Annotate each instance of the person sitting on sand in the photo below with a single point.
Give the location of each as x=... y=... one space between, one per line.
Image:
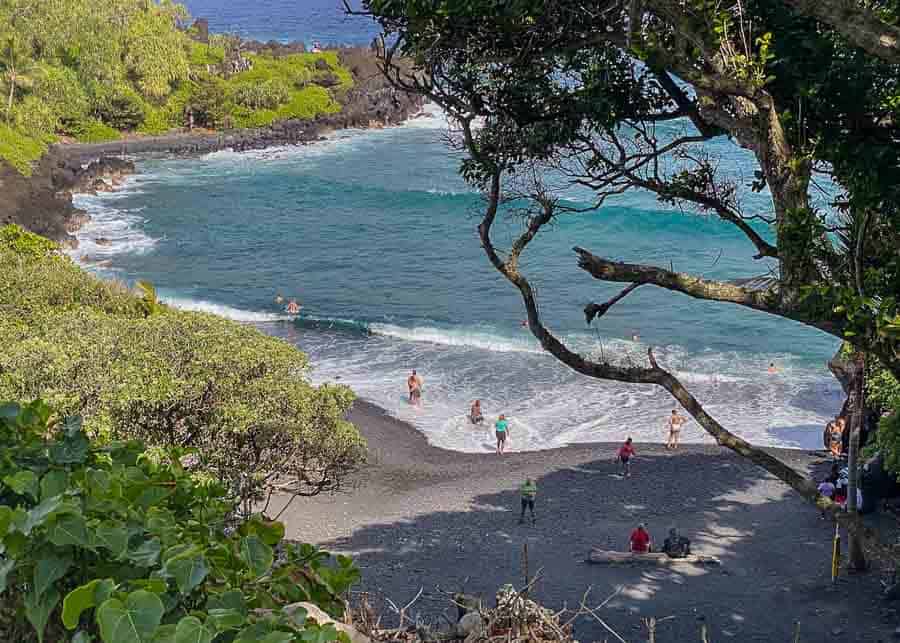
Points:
x=529 y=493
x=625 y=454
x=475 y=414
x=640 y=540
x=293 y=308
x=675 y=423
x=501 y=430
x=414 y=383
x=676 y=545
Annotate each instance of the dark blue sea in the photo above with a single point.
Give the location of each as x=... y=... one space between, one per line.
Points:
x=376 y=234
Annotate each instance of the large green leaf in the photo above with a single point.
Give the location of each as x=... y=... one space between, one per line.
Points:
x=54 y=483
x=40 y=514
x=256 y=555
x=153 y=495
x=6 y=566
x=191 y=630
x=68 y=530
x=38 y=609
x=225 y=619
x=132 y=622
x=50 y=567
x=277 y=637
x=231 y=600
x=71 y=450
x=111 y=536
x=269 y=531
x=24 y=482
x=84 y=598
x=146 y=554
x=6 y=518
x=164 y=634
x=188 y=570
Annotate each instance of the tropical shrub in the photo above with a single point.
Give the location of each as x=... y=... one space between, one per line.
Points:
x=115 y=541
x=134 y=368
x=265 y=95
x=95 y=131
x=118 y=105
x=209 y=102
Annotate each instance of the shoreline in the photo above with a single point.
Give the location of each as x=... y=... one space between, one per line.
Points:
x=42 y=202
x=422 y=517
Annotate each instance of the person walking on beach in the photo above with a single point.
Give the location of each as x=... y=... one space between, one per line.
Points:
x=529 y=493
x=501 y=430
x=414 y=383
x=625 y=454
x=675 y=423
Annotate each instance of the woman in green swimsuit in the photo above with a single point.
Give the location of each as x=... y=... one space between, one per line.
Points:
x=501 y=429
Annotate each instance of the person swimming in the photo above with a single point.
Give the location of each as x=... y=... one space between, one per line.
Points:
x=293 y=308
x=279 y=299
x=772 y=368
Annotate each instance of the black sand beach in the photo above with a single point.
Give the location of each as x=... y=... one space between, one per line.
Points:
x=422 y=517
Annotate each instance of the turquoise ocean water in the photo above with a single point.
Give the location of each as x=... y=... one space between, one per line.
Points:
x=376 y=234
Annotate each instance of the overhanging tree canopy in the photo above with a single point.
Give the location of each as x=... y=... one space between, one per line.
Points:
x=618 y=96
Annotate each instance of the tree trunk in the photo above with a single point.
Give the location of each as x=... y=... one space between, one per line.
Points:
x=857 y=555
x=12 y=89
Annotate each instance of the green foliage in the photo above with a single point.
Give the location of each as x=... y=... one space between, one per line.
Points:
x=20 y=149
x=95 y=131
x=128 y=546
x=268 y=94
x=202 y=54
x=89 y=70
x=117 y=105
x=135 y=368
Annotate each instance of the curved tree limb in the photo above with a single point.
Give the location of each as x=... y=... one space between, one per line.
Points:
x=855 y=23
x=641 y=375
x=697 y=287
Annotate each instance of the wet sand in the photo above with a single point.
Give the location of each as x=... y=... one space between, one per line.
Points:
x=423 y=517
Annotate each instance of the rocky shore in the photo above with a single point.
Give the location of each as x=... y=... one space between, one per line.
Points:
x=42 y=202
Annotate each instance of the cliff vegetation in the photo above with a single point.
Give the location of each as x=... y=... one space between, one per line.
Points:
x=95 y=72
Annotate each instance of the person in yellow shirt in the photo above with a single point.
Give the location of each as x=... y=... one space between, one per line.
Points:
x=529 y=493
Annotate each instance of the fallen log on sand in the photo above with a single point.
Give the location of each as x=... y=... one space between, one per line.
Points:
x=604 y=557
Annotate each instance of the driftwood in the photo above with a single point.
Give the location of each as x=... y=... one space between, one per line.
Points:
x=604 y=557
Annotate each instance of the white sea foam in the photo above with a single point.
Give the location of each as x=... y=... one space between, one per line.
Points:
x=121 y=227
x=550 y=406
x=229 y=312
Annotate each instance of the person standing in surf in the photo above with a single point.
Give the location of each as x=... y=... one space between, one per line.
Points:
x=675 y=423
x=501 y=430
x=475 y=414
x=293 y=308
x=414 y=384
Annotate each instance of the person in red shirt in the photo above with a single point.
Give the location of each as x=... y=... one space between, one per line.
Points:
x=640 y=540
x=626 y=452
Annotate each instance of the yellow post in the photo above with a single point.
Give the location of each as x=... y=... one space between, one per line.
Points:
x=836 y=554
